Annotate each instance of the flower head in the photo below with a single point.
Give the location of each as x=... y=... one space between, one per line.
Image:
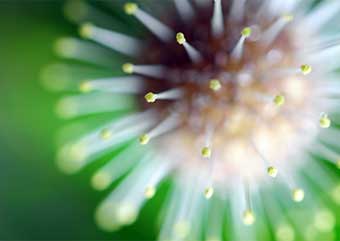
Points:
x=224 y=98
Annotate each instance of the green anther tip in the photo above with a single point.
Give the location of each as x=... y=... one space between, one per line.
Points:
x=279 y=100
x=246 y=32
x=127 y=68
x=215 y=85
x=130 y=8
x=150 y=97
x=144 y=139
x=180 y=38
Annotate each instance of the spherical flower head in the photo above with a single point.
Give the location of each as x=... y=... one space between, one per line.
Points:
x=216 y=85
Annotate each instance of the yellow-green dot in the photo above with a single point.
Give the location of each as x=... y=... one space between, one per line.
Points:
x=208 y=192
x=288 y=17
x=106 y=134
x=246 y=32
x=149 y=192
x=127 y=68
x=150 y=97
x=298 y=195
x=85 y=87
x=325 y=122
x=272 y=171
x=306 y=69
x=248 y=217
x=180 y=38
x=215 y=85
x=206 y=152
x=338 y=163
x=130 y=8
x=144 y=139
x=279 y=100
x=86 y=30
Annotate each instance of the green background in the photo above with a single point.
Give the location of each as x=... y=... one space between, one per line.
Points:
x=37 y=201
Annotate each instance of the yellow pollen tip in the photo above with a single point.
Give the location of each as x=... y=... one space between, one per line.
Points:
x=279 y=100
x=105 y=134
x=288 y=17
x=338 y=163
x=272 y=171
x=215 y=85
x=180 y=38
x=248 y=217
x=324 y=121
x=206 y=152
x=130 y=8
x=306 y=69
x=298 y=195
x=85 y=87
x=86 y=30
x=246 y=32
x=144 y=139
x=208 y=192
x=127 y=68
x=149 y=192
x=150 y=97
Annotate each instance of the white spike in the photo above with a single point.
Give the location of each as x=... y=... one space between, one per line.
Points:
x=217 y=22
x=185 y=9
x=238 y=10
x=162 y=31
x=125 y=85
x=320 y=16
x=116 y=41
x=156 y=71
x=238 y=50
x=275 y=29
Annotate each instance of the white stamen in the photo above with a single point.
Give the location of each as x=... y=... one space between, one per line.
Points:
x=124 y=85
x=162 y=31
x=217 y=22
x=237 y=10
x=194 y=54
x=320 y=16
x=156 y=71
x=238 y=50
x=165 y=126
x=116 y=41
x=185 y=9
x=275 y=29
x=74 y=106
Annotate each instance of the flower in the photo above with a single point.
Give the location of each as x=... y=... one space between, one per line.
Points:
x=234 y=100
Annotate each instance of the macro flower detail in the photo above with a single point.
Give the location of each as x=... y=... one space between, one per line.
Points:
x=234 y=100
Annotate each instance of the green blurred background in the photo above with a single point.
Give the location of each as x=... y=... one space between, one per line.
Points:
x=36 y=200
